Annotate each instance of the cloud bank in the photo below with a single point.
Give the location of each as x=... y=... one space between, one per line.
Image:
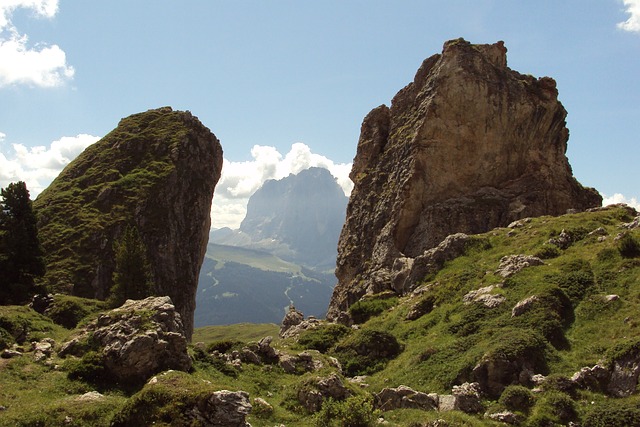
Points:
x=632 y=7
x=619 y=198
x=240 y=180
x=38 y=166
x=40 y=65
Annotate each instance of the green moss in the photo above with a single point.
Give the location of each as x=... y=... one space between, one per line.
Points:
x=322 y=338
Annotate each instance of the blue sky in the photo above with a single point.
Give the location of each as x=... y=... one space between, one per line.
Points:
x=286 y=84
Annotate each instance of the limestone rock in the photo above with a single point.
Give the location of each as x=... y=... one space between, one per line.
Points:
x=311 y=398
x=523 y=306
x=156 y=171
x=511 y=264
x=593 y=378
x=468 y=146
x=137 y=340
x=405 y=397
x=291 y=319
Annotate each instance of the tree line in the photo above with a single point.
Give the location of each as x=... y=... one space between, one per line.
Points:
x=22 y=259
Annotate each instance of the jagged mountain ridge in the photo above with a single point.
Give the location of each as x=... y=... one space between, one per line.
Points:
x=298 y=218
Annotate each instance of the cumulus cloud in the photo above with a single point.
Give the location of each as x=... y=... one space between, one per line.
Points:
x=240 y=180
x=40 y=65
x=620 y=198
x=632 y=7
x=38 y=166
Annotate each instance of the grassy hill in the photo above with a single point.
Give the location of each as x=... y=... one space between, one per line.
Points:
x=585 y=311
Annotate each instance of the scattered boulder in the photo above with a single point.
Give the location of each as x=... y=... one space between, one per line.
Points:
x=465 y=398
x=624 y=375
x=40 y=302
x=511 y=264
x=484 y=296
x=136 y=340
x=42 y=350
x=292 y=318
x=10 y=354
x=183 y=400
x=506 y=417
x=593 y=378
x=563 y=240
x=404 y=397
x=523 y=306
x=313 y=394
x=303 y=362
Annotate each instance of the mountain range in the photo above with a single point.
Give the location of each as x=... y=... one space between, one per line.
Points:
x=283 y=253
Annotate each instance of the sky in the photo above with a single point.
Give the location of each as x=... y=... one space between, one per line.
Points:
x=285 y=84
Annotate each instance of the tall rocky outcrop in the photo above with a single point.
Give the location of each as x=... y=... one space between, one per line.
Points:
x=156 y=171
x=469 y=145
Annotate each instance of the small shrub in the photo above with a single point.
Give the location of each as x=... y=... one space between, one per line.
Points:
x=552 y=409
x=560 y=383
x=364 y=309
x=612 y=414
x=629 y=246
x=68 y=311
x=224 y=346
x=367 y=351
x=89 y=368
x=576 y=280
x=323 y=338
x=516 y=398
x=6 y=340
x=548 y=252
x=355 y=411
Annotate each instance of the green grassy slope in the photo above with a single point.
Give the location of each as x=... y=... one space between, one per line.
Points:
x=573 y=325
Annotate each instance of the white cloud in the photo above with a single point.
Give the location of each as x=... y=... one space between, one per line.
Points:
x=240 y=180
x=633 y=23
x=620 y=198
x=38 y=166
x=40 y=65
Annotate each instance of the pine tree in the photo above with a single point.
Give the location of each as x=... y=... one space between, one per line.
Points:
x=132 y=275
x=21 y=256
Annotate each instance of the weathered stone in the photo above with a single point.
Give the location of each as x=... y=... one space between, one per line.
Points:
x=595 y=378
x=10 y=354
x=511 y=264
x=624 y=376
x=157 y=171
x=91 y=396
x=505 y=417
x=42 y=350
x=138 y=339
x=292 y=318
x=523 y=306
x=323 y=388
x=563 y=240
x=40 y=302
x=404 y=397
x=468 y=146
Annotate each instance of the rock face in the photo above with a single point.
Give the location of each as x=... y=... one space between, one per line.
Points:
x=468 y=146
x=156 y=171
x=297 y=218
x=137 y=340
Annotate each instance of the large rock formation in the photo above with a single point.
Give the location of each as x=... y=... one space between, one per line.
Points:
x=136 y=340
x=469 y=145
x=156 y=171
